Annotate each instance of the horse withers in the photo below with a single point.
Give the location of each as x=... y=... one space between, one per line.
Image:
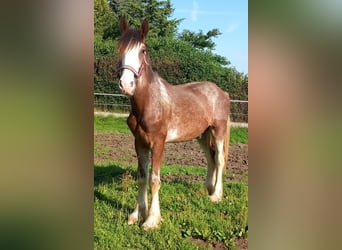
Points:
x=161 y=113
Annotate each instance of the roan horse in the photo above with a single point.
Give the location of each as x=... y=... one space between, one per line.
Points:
x=162 y=113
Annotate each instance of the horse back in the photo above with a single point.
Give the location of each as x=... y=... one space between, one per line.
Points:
x=200 y=98
x=194 y=107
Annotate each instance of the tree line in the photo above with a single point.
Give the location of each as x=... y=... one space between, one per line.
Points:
x=178 y=57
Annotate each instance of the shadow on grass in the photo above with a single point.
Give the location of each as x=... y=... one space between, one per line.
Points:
x=106 y=174
x=113 y=203
x=178 y=183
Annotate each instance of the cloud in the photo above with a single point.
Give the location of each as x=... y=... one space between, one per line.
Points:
x=194 y=11
x=232 y=27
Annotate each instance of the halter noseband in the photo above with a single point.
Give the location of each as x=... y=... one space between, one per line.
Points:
x=137 y=74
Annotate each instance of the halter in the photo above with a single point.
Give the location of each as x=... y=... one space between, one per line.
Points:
x=137 y=74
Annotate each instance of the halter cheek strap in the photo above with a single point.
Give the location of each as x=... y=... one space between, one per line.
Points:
x=137 y=74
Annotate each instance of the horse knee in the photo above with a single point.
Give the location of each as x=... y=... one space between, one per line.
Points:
x=155 y=183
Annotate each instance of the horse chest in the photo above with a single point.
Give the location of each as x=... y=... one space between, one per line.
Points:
x=147 y=129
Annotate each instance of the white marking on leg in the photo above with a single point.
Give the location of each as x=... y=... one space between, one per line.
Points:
x=155 y=180
x=142 y=206
x=134 y=217
x=219 y=161
x=211 y=174
x=211 y=178
x=154 y=214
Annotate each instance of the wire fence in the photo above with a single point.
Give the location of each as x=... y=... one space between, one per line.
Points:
x=118 y=103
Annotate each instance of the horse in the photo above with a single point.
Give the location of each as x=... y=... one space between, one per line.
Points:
x=162 y=113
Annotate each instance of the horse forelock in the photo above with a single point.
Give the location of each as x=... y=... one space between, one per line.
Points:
x=129 y=40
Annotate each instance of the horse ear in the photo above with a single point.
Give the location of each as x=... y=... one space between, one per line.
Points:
x=144 y=28
x=123 y=26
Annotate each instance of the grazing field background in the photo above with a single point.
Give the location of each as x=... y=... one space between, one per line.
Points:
x=190 y=219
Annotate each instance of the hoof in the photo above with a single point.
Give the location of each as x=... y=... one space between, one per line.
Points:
x=210 y=188
x=151 y=223
x=133 y=218
x=215 y=198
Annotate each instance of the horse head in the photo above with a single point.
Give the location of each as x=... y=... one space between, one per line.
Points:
x=132 y=50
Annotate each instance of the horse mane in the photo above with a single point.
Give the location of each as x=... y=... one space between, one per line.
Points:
x=129 y=40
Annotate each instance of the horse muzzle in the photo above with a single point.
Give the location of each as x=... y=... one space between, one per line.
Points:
x=127 y=87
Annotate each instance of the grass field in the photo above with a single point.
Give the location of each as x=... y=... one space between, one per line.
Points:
x=190 y=220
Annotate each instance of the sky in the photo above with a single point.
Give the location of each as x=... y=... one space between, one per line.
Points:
x=229 y=16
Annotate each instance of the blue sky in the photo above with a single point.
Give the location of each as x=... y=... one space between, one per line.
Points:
x=229 y=16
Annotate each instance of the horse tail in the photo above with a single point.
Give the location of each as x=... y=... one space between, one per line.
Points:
x=226 y=145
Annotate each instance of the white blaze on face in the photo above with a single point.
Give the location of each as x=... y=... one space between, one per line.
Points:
x=127 y=80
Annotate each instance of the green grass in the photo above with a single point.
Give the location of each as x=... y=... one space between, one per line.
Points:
x=190 y=219
x=99 y=150
x=186 y=210
x=112 y=124
x=239 y=135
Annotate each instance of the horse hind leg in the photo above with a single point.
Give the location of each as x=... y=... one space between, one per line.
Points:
x=207 y=146
x=216 y=196
x=221 y=140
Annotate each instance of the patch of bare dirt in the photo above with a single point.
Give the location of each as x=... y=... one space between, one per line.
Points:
x=120 y=147
x=242 y=244
x=217 y=245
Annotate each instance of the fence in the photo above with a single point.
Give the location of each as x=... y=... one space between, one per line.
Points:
x=120 y=103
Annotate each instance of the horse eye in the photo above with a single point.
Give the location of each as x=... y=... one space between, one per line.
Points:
x=143 y=51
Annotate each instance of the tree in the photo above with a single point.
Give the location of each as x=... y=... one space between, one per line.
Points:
x=159 y=15
x=103 y=17
x=179 y=59
x=157 y=12
x=200 y=40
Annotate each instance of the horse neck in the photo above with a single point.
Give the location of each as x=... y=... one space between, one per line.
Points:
x=143 y=89
x=150 y=90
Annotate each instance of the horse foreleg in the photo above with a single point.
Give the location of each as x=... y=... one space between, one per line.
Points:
x=154 y=216
x=142 y=206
